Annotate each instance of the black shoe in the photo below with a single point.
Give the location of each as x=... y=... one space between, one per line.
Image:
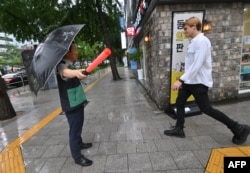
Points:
x=176 y=131
x=85 y=145
x=241 y=132
x=84 y=162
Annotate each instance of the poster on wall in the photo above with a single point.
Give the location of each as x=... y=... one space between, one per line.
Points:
x=179 y=49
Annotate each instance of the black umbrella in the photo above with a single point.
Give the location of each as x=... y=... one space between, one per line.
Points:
x=49 y=53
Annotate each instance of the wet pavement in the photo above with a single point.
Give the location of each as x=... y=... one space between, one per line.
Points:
x=30 y=110
x=125 y=127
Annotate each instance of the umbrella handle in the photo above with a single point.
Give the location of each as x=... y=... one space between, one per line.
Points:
x=85 y=73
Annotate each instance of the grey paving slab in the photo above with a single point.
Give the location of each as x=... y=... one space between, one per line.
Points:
x=53 y=165
x=110 y=127
x=57 y=140
x=53 y=151
x=187 y=171
x=70 y=167
x=186 y=160
x=165 y=145
x=191 y=131
x=187 y=143
x=117 y=163
x=33 y=151
x=99 y=162
x=102 y=137
x=150 y=134
x=162 y=161
x=139 y=162
x=203 y=130
x=107 y=148
x=154 y=172
x=146 y=146
x=34 y=140
x=34 y=165
x=126 y=129
x=118 y=136
x=134 y=135
x=65 y=152
x=206 y=142
x=126 y=147
x=202 y=156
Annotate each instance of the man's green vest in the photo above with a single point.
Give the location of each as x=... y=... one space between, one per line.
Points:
x=71 y=92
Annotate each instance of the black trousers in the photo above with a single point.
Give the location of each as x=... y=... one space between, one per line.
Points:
x=75 y=120
x=200 y=93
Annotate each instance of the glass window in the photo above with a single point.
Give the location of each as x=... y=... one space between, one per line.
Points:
x=245 y=60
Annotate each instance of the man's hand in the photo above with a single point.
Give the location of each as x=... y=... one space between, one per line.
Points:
x=69 y=73
x=176 y=85
x=79 y=74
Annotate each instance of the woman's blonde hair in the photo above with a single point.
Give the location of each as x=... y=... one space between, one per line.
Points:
x=193 y=21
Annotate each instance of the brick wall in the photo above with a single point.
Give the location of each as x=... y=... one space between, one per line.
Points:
x=225 y=36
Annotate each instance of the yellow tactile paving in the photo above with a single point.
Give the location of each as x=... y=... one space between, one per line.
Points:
x=11 y=159
x=245 y=149
x=216 y=161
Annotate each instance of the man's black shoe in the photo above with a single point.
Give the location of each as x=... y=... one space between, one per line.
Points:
x=176 y=131
x=241 y=132
x=85 y=145
x=84 y=162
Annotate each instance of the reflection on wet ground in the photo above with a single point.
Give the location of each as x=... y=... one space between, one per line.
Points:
x=30 y=110
x=21 y=98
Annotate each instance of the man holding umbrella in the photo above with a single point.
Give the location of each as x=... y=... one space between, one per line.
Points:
x=59 y=50
x=72 y=99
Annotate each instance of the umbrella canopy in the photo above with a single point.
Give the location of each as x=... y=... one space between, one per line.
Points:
x=49 y=53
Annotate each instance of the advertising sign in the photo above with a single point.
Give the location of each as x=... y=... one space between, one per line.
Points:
x=130 y=31
x=179 y=49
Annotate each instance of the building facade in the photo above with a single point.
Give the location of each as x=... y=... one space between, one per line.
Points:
x=5 y=39
x=229 y=36
x=9 y=39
